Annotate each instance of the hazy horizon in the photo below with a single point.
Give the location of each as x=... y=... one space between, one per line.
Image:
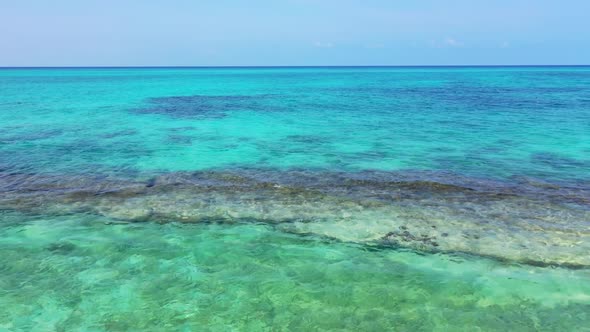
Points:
x=294 y=66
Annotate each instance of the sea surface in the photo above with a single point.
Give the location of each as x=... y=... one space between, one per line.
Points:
x=295 y=199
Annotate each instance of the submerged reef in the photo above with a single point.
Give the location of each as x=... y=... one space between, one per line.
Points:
x=526 y=220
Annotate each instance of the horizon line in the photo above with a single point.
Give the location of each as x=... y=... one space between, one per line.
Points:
x=292 y=66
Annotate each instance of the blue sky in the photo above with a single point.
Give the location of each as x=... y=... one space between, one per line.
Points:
x=293 y=32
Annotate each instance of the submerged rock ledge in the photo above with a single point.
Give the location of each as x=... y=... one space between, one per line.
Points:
x=530 y=222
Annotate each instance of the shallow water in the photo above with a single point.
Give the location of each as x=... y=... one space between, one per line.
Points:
x=295 y=199
x=79 y=273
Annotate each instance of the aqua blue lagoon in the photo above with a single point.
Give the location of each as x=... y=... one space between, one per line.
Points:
x=271 y=199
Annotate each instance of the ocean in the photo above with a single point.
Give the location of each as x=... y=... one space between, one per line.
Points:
x=295 y=198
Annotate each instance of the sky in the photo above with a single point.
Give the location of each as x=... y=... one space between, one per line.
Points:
x=293 y=32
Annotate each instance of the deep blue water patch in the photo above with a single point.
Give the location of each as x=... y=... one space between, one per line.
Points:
x=201 y=106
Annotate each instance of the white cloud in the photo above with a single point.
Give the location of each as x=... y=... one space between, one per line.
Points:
x=446 y=42
x=375 y=45
x=323 y=44
x=452 y=42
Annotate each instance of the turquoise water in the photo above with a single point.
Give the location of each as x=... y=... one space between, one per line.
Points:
x=295 y=199
x=485 y=122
